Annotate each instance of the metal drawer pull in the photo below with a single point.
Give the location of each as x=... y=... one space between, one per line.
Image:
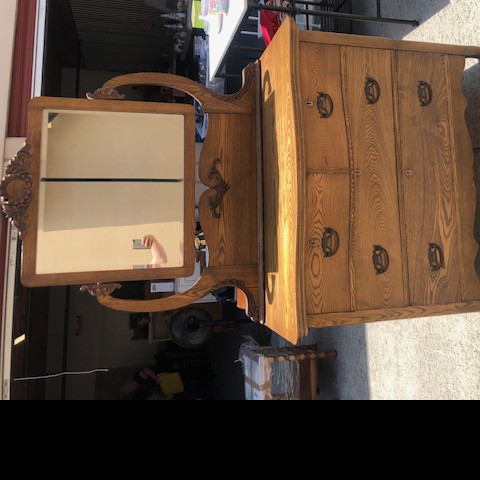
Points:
x=435 y=257
x=381 y=260
x=330 y=242
x=325 y=105
x=425 y=93
x=372 y=91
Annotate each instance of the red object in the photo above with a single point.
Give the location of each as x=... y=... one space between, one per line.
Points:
x=270 y=22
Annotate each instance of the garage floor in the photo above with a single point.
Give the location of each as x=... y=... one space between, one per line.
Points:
x=430 y=358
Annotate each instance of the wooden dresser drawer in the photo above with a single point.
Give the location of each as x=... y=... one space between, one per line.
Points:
x=325 y=138
x=376 y=220
x=327 y=222
x=429 y=177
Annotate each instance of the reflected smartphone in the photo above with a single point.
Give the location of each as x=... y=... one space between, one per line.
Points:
x=138 y=245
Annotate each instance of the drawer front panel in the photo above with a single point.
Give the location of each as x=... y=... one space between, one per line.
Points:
x=323 y=116
x=378 y=284
x=429 y=180
x=327 y=248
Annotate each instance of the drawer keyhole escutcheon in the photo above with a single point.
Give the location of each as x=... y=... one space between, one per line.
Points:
x=409 y=173
x=309 y=103
x=315 y=243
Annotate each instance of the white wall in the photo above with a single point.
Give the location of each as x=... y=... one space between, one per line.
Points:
x=7 y=36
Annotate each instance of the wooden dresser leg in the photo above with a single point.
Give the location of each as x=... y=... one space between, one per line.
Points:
x=308 y=379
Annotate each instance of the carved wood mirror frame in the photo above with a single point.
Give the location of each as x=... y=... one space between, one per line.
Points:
x=20 y=192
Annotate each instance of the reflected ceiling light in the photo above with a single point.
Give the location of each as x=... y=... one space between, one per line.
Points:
x=19 y=340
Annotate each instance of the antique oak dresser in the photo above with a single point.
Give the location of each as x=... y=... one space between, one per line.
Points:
x=341 y=184
x=369 y=182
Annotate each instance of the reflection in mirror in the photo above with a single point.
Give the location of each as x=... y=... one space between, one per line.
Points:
x=111 y=193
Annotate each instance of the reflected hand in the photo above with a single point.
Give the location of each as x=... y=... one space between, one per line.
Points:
x=148 y=241
x=159 y=256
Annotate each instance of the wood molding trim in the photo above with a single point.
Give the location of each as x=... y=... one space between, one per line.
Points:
x=21 y=90
x=382 y=315
x=328 y=38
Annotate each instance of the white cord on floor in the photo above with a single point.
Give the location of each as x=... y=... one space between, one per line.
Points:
x=63 y=374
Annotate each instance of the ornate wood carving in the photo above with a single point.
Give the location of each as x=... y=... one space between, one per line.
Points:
x=16 y=190
x=219 y=186
x=101 y=290
x=105 y=93
x=248 y=81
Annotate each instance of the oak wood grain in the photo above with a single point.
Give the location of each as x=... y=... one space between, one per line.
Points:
x=327 y=278
x=284 y=186
x=465 y=175
x=430 y=195
x=376 y=197
x=325 y=138
x=328 y=38
x=389 y=314
x=232 y=238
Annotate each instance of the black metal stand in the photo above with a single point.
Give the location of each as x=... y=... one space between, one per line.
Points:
x=294 y=11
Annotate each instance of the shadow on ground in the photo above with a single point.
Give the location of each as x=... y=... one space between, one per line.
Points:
x=420 y=10
x=471 y=89
x=347 y=377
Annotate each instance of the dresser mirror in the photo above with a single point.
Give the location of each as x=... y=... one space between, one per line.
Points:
x=103 y=191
